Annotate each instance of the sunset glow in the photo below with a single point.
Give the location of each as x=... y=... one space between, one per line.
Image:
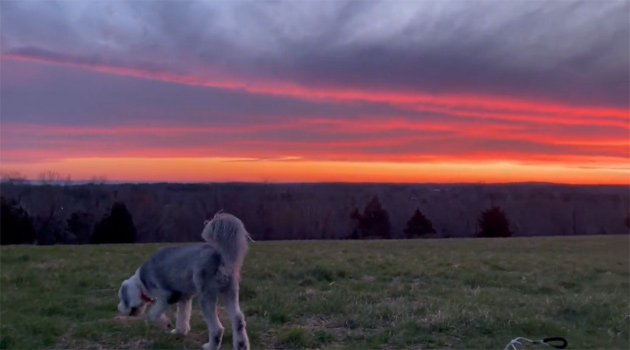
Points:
x=200 y=169
x=117 y=109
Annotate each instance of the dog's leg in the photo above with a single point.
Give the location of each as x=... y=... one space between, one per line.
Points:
x=182 y=325
x=156 y=314
x=239 y=337
x=215 y=328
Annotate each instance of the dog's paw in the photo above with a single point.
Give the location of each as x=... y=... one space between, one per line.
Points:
x=179 y=332
x=165 y=323
x=208 y=346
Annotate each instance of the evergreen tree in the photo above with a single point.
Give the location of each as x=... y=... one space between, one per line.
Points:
x=115 y=227
x=374 y=222
x=16 y=225
x=418 y=226
x=80 y=225
x=494 y=223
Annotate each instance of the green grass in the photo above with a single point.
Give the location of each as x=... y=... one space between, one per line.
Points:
x=467 y=293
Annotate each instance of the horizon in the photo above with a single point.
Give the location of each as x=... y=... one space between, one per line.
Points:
x=18 y=179
x=322 y=92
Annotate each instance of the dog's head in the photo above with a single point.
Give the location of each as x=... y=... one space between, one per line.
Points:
x=130 y=296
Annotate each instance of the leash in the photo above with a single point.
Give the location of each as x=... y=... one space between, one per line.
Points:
x=520 y=342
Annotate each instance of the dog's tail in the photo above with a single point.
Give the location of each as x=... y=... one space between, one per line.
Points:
x=229 y=235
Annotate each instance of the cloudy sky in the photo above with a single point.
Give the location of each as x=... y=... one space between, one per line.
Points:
x=396 y=91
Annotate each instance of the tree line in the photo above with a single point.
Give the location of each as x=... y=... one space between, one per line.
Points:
x=117 y=226
x=18 y=227
x=374 y=223
x=109 y=213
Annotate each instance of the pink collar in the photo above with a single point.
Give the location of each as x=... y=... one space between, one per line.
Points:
x=145 y=298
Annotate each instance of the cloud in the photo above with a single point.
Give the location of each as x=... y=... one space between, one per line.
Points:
x=573 y=52
x=455 y=105
x=299 y=83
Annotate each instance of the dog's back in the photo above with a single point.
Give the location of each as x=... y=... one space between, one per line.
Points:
x=177 y=270
x=180 y=272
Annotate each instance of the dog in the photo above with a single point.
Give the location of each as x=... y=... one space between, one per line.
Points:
x=209 y=270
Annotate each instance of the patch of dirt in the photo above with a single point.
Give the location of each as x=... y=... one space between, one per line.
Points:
x=268 y=340
x=78 y=344
x=138 y=344
x=310 y=291
x=367 y=278
x=332 y=327
x=127 y=319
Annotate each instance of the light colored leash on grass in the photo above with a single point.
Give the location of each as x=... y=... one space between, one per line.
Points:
x=520 y=342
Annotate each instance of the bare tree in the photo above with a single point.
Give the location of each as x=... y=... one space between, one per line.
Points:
x=12 y=177
x=51 y=177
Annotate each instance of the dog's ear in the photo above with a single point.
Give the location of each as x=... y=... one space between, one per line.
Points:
x=124 y=297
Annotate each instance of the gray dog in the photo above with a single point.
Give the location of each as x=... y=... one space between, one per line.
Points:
x=210 y=270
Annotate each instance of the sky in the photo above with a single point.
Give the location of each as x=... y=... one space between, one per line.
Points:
x=317 y=91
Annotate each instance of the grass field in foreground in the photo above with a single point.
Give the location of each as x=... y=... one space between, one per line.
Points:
x=466 y=293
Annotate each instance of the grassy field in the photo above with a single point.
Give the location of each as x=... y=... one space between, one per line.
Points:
x=466 y=293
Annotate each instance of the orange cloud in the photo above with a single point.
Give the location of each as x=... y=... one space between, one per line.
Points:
x=397 y=140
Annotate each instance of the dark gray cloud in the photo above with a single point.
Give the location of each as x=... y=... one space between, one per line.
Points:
x=573 y=52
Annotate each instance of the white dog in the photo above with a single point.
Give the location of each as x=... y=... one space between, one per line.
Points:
x=210 y=270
